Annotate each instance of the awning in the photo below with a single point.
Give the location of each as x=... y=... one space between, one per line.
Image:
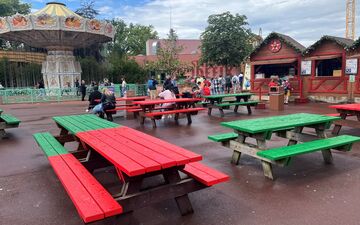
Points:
x=275 y=61
x=323 y=57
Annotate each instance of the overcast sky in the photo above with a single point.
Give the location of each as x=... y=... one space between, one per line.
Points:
x=304 y=20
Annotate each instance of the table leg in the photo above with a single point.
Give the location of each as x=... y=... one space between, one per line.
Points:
x=153 y=122
x=235 y=159
x=337 y=127
x=183 y=202
x=221 y=112
x=267 y=167
x=188 y=115
x=2 y=133
x=328 y=159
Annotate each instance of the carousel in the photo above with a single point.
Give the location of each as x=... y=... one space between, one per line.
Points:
x=60 y=31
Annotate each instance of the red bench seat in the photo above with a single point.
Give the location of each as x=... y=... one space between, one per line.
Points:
x=90 y=198
x=204 y=174
x=188 y=110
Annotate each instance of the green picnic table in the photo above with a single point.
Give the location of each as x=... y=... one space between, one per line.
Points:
x=288 y=126
x=237 y=99
x=7 y=121
x=71 y=125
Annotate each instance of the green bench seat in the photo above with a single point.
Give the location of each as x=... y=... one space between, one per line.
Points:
x=223 y=137
x=343 y=142
x=49 y=145
x=251 y=103
x=9 y=119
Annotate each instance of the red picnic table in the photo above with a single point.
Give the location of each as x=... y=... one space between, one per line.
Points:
x=135 y=156
x=345 y=111
x=180 y=106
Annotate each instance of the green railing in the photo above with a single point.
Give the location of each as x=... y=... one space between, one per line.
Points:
x=31 y=95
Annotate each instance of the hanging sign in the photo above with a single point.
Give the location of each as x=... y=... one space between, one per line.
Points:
x=306 y=67
x=351 y=66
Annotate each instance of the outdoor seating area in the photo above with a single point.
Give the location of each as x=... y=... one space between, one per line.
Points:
x=290 y=127
x=134 y=156
x=112 y=171
x=164 y=112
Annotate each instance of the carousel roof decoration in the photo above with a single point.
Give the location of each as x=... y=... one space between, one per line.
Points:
x=283 y=38
x=343 y=42
x=55 y=25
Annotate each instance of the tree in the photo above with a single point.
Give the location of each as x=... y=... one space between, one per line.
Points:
x=11 y=7
x=226 y=40
x=131 y=39
x=87 y=9
x=168 y=57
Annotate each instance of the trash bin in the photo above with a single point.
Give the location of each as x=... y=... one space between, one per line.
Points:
x=276 y=98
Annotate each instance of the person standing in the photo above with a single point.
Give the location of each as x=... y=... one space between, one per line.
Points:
x=287 y=90
x=228 y=84
x=77 y=86
x=222 y=83
x=152 y=87
x=83 y=90
x=241 y=80
x=215 y=86
x=235 y=83
x=123 y=87
x=41 y=87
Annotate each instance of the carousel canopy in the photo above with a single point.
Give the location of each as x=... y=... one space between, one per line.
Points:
x=55 y=27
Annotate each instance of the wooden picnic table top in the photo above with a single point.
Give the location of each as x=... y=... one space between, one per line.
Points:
x=81 y=123
x=352 y=107
x=277 y=123
x=136 y=98
x=134 y=152
x=228 y=95
x=161 y=101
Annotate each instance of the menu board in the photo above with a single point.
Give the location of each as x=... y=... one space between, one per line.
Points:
x=351 y=66
x=306 y=67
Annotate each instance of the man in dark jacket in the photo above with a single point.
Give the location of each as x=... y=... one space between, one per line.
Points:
x=95 y=95
x=83 y=90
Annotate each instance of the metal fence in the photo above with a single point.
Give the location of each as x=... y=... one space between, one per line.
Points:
x=31 y=95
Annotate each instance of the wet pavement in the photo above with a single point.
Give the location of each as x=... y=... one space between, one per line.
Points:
x=306 y=192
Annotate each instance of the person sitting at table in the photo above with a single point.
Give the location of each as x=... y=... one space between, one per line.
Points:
x=107 y=102
x=166 y=95
x=94 y=95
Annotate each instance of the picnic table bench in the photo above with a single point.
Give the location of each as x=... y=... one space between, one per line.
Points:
x=237 y=99
x=7 y=121
x=288 y=126
x=184 y=106
x=134 y=156
x=345 y=111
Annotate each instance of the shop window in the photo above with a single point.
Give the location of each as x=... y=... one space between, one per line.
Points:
x=280 y=70
x=329 y=67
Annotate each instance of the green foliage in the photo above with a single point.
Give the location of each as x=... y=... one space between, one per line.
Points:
x=11 y=7
x=87 y=9
x=92 y=70
x=122 y=66
x=227 y=40
x=168 y=57
x=131 y=39
x=15 y=74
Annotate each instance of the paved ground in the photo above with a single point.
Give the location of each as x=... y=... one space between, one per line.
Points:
x=306 y=192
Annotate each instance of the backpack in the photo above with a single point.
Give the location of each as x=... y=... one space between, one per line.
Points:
x=150 y=84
